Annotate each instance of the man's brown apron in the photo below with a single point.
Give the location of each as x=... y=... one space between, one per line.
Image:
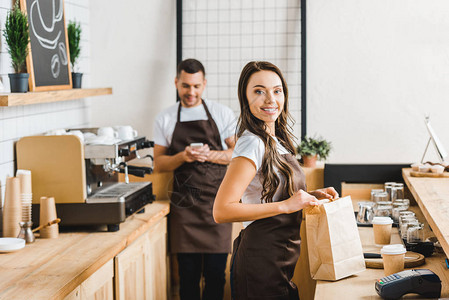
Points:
x=191 y=225
x=265 y=253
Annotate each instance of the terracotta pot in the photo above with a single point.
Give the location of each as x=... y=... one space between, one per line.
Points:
x=309 y=161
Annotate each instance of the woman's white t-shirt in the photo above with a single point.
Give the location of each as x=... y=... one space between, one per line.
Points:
x=252 y=147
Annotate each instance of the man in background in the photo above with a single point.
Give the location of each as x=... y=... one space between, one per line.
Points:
x=195 y=138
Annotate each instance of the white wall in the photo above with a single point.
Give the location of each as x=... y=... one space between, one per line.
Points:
x=19 y=121
x=227 y=34
x=375 y=69
x=133 y=50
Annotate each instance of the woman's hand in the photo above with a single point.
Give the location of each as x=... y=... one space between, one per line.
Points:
x=325 y=193
x=298 y=201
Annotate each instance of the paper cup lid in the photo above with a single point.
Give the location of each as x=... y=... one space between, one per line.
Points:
x=382 y=220
x=393 y=249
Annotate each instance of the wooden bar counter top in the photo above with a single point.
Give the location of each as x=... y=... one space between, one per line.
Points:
x=432 y=196
x=362 y=285
x=54 y=268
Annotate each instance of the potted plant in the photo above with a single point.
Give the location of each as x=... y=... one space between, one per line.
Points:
x=74 y=36
x=312 y=149
x=17 y=38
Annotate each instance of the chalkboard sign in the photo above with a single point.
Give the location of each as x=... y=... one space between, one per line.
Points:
x=48 y=61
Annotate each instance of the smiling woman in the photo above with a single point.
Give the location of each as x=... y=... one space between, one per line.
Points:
x=264 y=187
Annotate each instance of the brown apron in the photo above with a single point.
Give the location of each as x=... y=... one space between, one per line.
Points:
x=192 y=228
x=266 y=251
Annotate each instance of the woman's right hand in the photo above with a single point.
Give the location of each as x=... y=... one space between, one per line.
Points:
x=298 y=201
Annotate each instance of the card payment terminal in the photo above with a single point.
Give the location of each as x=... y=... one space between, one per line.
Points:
x=421 y=281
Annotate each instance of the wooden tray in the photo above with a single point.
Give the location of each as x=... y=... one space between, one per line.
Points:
x=428 y=174
x=412 y=259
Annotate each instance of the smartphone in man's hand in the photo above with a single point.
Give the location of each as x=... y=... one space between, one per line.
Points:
x=196 y=145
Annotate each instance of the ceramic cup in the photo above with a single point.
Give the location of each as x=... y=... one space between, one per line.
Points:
x=77 y=133
x=382 y=230
x=424 y=168
x=393 y=257
x=437 y=169
x=107 y=131
x=126 y=132
x=415 y=167
x=58 y=131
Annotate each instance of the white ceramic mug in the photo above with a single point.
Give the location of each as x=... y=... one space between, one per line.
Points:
x=77 y=133
x=107 y=131
x=126 y=132
x=58 y=131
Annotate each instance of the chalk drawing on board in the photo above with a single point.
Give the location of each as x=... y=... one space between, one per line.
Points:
x=40 y=30
x=48 y=58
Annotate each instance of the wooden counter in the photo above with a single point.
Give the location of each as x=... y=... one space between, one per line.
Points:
x=432 y=196
x=361 y=286
x=54 y=268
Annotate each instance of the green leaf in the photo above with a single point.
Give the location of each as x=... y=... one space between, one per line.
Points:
x=74 y=36
x=17 y=37
x=314 y=146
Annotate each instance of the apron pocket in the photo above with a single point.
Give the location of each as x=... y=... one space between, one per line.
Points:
x=265 y=277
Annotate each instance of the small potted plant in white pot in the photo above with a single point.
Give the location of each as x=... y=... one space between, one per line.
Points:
x=312 y=149
x=17 y=38
x=74 y=36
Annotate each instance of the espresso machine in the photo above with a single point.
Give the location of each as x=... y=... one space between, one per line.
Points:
x=83 y=178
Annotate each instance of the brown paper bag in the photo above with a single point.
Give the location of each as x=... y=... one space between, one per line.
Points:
x=333 y=240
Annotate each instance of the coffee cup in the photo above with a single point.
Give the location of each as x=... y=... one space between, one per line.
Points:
x=48 y=214
x=393 y=257
x=437 y=169
x=58 y=131
x=107 y=131
x=77 y=133
x=126 y=132
x=382 y=230
x=12 y=209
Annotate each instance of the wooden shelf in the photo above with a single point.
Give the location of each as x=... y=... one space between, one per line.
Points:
x=15 y=99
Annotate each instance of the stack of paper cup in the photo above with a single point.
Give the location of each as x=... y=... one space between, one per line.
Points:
x=26 y=195
x=12 y=208
x=48 y=214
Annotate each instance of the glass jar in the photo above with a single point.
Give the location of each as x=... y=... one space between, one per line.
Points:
x=388 y=188
x=415 y=233
x=382 y=209
x=380 y=197
x=375 y=191
x=397 y=191
x=405 y=224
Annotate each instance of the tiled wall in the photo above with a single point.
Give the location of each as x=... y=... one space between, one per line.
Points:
x=19 y=121
x=226 y=34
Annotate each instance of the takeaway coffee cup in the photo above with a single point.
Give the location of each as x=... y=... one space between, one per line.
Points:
x=393 y=258
x=382 y=230
x=126 y=132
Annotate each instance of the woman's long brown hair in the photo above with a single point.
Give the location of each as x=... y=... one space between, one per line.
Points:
x=272 y=160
